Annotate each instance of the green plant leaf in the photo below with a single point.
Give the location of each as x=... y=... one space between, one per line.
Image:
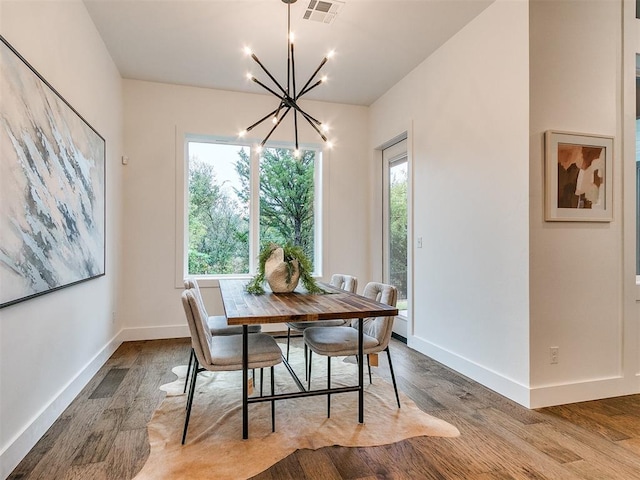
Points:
x=291 y=253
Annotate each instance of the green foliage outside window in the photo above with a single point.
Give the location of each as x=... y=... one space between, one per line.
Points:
x=398 y=232
x=219 y=215
x=286 y=197
x=218 y=226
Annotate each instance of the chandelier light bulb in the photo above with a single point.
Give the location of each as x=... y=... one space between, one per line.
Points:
x=249 y=76
x=291 y=37
x=329 y=144
x=247 y=51
x=324 y=127
x=296 y=153
x=331 y=54
x=242 y=133
x=324 y=79
x=274 y=120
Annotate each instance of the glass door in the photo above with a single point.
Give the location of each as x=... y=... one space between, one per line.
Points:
x=396 y=227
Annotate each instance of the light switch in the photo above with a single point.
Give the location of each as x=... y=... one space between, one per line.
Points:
x=419 y=242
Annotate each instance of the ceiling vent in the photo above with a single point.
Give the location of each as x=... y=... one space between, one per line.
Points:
x=322 y=11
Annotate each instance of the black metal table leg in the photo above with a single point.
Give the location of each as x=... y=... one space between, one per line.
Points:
x=360 y=372
x=245 y=381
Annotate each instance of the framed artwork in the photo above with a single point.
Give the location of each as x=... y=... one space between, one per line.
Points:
x=52 y=187
x=578 y=177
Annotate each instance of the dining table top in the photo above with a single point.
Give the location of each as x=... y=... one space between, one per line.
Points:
x=244 y=308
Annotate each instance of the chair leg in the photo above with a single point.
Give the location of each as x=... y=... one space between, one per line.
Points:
x=369 y=367
x=309 y=377
x=194 y=372
x=328 y=386
x=288 y=341
x=192 y=389
x=261 y=380
x=306 y=349
x=273 y=402
x=393 y=377
x=186 y=379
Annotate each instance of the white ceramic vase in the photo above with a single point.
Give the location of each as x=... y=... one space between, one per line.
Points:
x=276 y=272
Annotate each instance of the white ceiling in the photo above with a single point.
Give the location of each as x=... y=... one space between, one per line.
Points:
x=201 y=42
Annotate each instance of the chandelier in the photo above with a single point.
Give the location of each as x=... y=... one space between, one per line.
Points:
x=288 y=97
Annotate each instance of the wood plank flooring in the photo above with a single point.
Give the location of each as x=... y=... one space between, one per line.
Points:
x=102 y=435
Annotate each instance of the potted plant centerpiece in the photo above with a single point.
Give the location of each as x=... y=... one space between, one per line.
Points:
x=282 y=267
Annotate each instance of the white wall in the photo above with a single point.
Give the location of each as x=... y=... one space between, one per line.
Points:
x=52 y=345
x=153 y=114
x=582 y=274
x=467 y=111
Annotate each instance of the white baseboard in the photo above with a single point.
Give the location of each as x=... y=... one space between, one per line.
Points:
x=504 y=386
x=24 y=441
x=595 y=389
x=530 y=397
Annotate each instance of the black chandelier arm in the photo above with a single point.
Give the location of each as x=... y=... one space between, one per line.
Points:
x=303 y=92
x=308 y=119
x=275 y=112
x=292 y=103
x=293 y=72
x=274 y=127
x=274 y=93
x=295 y=125
x=288 y=70
x=289 y=42
x=306 y=115
x=324 y=60
x=253 y=55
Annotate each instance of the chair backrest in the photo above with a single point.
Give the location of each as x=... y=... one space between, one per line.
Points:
x=344 y=282
x=201 y=338
x=381 y=327
x=192 y=284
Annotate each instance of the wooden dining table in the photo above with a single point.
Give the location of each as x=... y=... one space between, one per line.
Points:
x=243 y=308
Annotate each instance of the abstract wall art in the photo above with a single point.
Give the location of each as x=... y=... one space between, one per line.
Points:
x=578 y=177
x=52 y=187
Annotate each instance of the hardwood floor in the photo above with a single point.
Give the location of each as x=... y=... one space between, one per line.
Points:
x=102 y=435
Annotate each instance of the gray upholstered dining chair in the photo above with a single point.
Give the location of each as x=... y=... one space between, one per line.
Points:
x=343 y=341
x=338 y=280
x=224 y=352
x=217 y=324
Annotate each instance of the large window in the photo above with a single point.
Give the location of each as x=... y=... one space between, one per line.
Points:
x=395 y=233
x=240 y=197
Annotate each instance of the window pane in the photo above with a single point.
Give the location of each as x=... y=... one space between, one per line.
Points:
x=218 y=209
x=398 y=230
x=287 y=198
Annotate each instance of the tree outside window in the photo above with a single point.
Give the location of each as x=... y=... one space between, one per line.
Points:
x=220 y=195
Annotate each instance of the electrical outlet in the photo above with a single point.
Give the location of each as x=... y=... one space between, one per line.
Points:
x=554 y=352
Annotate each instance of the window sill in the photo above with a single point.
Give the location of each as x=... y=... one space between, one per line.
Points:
x=212 y=281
